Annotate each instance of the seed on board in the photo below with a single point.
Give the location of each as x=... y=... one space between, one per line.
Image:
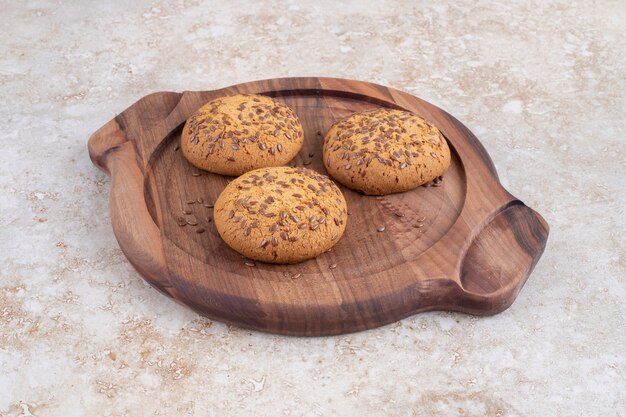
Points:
x=182 y=222
x=421 y=219
x=201 y=230
x=190 y=202
x=200 y=200
x=297 y=275
x=398 y=214
x=419 y=225
x=381 y=229
x=187 y=211
x=196 y=174
x=333 y=266
x=305 y=163
x=250 y=263
x=208 y=205
x=311 y=154
x=177 y=147
x=209 y=220
x=192 y=222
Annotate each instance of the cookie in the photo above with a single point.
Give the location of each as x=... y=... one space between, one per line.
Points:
x=281 y=214
x=235 y=134
x=385 y=151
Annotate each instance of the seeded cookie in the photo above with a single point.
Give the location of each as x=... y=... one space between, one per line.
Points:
x=385 y=151
x=235 y=134
x=281 y=214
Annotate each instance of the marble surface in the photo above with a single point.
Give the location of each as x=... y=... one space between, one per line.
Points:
x=541 y=83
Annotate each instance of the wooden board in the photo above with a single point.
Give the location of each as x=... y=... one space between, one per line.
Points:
x=466 y=245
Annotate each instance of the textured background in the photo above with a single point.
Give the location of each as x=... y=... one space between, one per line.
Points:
x=541 y=83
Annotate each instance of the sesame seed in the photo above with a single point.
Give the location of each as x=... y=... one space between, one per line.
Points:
x=398 y=214
x=333 y=266
x=200 y=230
x=381 y=229
x=296 y=276
x=250 y=263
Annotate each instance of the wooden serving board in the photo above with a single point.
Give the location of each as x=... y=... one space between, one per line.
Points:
x=466 y=245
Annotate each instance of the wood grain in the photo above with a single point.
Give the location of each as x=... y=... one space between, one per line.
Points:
x=466 y=245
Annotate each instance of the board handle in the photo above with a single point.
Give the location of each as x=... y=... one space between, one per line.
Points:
x=117 y=148
x=105 y=141
x=500 y=258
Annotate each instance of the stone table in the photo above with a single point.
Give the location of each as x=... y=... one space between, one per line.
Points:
x=542 y=84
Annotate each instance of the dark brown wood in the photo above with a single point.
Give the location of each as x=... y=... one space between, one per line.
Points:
x=465 y=245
